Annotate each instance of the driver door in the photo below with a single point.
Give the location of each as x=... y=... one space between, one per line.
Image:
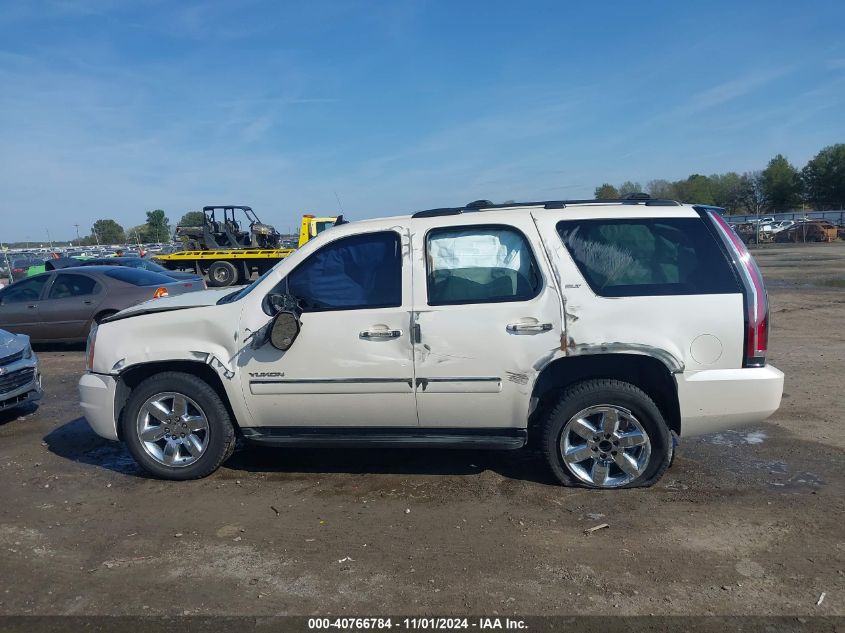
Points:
x=352 y=363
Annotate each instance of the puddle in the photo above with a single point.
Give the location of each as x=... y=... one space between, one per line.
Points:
x=735 y=438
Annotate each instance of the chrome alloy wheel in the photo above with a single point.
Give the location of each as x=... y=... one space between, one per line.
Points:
x=605 y=446
x=173 y=429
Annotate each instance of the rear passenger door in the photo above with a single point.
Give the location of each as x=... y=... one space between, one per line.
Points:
x=486 y=311
x=70 y=304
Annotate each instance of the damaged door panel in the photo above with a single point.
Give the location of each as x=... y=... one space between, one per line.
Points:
x=486 y=308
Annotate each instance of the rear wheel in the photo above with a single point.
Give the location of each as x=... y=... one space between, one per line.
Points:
x=606 y=434
x=176 y=427
x=222 y=274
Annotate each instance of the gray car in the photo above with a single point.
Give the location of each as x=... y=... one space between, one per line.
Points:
x=60 y=306
x=20 y=380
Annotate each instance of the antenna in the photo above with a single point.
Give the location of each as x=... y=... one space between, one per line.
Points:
x=340 y=206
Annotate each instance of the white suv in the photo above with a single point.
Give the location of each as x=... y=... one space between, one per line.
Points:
x=592 y=331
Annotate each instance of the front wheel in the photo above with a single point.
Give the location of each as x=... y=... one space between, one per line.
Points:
x=607 y=434
x=177 y=427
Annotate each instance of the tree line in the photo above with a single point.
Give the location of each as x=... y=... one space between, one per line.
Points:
x=156 y=229
x=820 y=185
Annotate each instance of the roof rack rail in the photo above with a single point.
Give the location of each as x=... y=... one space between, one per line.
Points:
x=484 y=205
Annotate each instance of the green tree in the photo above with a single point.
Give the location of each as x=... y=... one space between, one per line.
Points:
x=727 y=191
x=192 y=218
x=158 y=229
x=696 y=189
x=751 y=193
x=628 y=187
x=606 y=192
x=824 y=178
x=662 y=189
x=108 y=232
x=140 y=233
x=781 y=184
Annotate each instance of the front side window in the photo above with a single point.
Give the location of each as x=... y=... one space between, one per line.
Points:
x=352 y=273
x=28 y=290
x=647 y=257
x=66 y=286
x=480 y=265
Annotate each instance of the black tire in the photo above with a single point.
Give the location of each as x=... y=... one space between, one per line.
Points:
x=222 y=274
x=221 y=432
x=616 y=393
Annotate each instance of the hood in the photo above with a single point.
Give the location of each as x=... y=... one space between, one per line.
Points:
x=12 y=343
x=196 y=299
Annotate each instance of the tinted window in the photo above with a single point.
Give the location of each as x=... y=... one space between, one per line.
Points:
x=66 y=286
x=480 y=265
x=361 y=271
x=138 y=277
x=623 y=258
x=27 y=290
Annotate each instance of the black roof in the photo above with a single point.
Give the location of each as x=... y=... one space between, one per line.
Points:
x=225 y=206
x=485 y=205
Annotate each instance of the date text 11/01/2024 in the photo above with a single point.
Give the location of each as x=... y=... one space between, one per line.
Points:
x=430 y=623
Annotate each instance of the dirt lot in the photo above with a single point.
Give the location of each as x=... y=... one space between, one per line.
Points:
x=746 y=522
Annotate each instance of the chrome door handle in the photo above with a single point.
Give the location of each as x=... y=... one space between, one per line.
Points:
x=380 y=334
x=528 y=327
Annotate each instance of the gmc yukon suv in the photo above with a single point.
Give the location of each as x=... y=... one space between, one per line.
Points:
x=592 y=331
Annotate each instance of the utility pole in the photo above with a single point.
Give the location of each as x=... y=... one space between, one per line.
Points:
x=77 y=232
x=49 y=240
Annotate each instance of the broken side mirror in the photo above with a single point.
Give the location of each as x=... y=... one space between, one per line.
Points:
x=283 y=330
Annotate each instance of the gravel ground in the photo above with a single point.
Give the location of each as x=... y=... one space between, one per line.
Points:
x=746 y=522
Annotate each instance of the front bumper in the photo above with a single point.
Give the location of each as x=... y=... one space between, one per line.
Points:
x=96 y=395
x=20 y=382
x=720 y=399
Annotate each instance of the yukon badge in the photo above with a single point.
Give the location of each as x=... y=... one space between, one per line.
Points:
x=266 y=374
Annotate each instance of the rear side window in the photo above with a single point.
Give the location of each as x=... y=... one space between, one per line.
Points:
x=352 y=273
x=642 y=257
x=65 y=286
x=138 y=277
x=480 y=265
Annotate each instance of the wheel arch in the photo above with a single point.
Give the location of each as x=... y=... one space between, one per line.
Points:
x=648 y=373
x=134 y=375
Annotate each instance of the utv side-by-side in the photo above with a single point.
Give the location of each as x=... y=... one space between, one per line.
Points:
x=221 y=229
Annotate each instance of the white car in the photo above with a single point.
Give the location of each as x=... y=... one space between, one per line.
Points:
x=593 y=332
x=20 y=380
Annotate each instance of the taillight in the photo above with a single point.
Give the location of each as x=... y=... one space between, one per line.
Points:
x=160 y=292
x=754 y=292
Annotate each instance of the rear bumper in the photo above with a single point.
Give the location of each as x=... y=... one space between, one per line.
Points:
x=720 y=399
x=96 y=395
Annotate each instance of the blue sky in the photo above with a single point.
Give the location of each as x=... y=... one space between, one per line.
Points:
x=109 y=108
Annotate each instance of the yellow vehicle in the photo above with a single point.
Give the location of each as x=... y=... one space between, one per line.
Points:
x=235 y=266
x=312 y=225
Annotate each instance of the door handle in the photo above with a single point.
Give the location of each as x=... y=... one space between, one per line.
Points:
x=88 y=302
x=380 y=334
x=32 y=306
x=516 y=328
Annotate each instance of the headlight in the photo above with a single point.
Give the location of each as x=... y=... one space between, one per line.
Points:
x=27 y=352
x=89 y=348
